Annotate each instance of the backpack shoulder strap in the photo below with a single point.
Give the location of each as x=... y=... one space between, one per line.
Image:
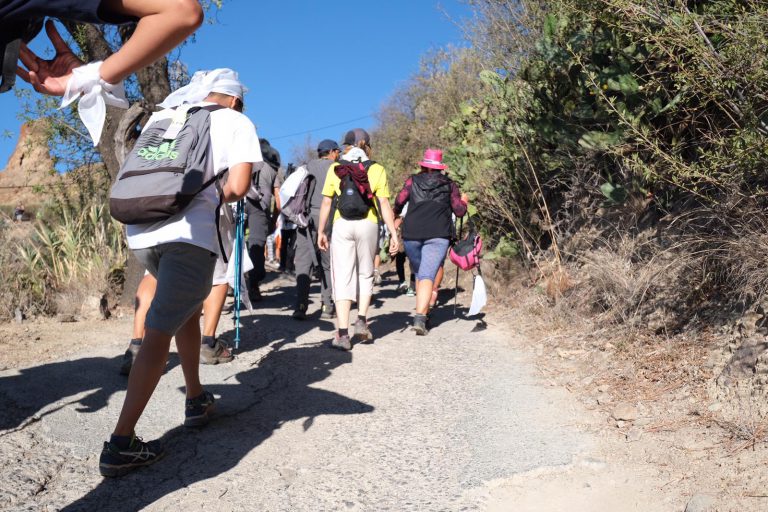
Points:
x=310 y=192
x=211 y=108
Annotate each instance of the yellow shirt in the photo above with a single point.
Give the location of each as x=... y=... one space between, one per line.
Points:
x=377 y=177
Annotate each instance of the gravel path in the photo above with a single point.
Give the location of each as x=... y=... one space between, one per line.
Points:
x=403 y=423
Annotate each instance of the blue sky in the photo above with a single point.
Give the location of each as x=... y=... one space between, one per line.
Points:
x=309 y=64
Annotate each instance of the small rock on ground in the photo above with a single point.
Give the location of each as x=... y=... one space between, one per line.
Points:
x=700 y=503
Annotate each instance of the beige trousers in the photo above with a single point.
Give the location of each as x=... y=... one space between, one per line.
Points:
x=353 y=247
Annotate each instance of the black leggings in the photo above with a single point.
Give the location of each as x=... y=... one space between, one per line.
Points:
x=400 y=260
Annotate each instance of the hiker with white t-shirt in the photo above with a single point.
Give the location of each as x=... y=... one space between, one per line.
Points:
x=181 y=253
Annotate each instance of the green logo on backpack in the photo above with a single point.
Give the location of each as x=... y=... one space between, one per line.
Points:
x=165 y=150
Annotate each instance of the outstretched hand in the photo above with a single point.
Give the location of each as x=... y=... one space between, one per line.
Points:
x=49 y=76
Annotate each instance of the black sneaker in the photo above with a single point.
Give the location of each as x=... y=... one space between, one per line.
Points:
x=198 y=409
x=127 y=362
x=255 y=294
x=115 y=462
x=300 y=313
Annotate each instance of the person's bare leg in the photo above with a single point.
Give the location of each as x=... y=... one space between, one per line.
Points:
x=144 y=295
x=363 y=303
x=145 y=374
x=343 y=307
x=376 y=265
x=162 y=26
x=436 y=285
x=439 y=277
x=212 y=308
x=188 y=346
x=423 y=295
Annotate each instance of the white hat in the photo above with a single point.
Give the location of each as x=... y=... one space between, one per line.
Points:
x=222 y=80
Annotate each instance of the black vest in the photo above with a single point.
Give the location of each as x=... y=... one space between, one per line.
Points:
x=429 y=207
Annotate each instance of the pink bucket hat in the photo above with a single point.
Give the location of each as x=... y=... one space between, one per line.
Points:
x=433 y=159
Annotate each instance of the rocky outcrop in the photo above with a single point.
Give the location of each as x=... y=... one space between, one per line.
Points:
x=30 y=170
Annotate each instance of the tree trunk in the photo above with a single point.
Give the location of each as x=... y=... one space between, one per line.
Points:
x=120 y=128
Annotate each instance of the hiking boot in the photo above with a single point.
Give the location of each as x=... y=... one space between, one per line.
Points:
x=362 y=332
x=327 y=311
x=115 y=462
x=376 y=277
x=410 y=291
x=255 y=294
x=300 y=313
x=420 y=325
x=341 y=342
x=127 y=362
x=218 y=353
x=198 y=409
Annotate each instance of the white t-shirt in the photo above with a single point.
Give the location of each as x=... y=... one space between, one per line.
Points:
x=233 y=141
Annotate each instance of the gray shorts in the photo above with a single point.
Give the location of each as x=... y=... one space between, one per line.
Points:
x=258 y=226
x=184 y=273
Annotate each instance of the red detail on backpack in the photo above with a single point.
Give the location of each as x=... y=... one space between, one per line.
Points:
x=359 y=175
x=465 y=254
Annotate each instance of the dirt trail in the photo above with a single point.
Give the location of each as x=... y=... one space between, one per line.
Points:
x=456 y=420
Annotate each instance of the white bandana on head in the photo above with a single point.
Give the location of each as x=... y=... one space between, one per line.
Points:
x=222 y=80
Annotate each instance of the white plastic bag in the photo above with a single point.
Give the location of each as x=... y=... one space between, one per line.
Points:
x=479 y=296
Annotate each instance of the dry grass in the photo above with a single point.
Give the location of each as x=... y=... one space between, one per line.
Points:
x=48 y=268
x=626 y=281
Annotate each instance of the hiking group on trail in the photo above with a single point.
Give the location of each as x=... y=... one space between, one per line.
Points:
x=330 y=217
x=337 y=203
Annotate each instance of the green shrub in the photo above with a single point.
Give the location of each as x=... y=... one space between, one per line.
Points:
x=647 y=99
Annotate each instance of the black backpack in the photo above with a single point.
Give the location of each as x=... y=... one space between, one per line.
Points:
x=255 y=195
x=351 y=204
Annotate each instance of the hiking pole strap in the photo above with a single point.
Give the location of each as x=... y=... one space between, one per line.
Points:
x=456 y=287
x=223 y=252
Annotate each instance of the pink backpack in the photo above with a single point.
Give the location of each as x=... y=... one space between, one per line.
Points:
x=466 y=253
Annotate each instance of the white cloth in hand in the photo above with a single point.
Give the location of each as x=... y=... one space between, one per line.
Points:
x=95 y=94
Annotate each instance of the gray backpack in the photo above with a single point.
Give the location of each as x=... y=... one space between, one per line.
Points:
x=296 y=209
x=166 y=169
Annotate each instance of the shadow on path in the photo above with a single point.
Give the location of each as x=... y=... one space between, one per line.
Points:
x=249 y=411
x=36 y=388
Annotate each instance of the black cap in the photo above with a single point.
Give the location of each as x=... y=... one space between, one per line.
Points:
x=327 y=145
x=356 y=135
x=269 y=154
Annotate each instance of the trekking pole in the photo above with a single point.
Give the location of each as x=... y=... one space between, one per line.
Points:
x=456 y=287
x=239 y=239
